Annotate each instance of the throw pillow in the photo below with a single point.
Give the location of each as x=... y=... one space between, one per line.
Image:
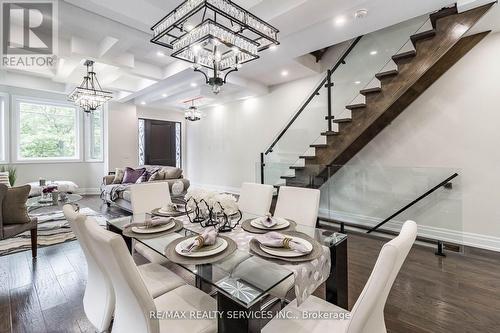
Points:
x=14 y=205
x=4 y=178
x=155 y=176
x=119 y=173
x=131 y=175
x=172 y=172
x=143 y=178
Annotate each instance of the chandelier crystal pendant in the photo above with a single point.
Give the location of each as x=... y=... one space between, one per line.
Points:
x=192 y=113
x=89 y=96
x=216 y=36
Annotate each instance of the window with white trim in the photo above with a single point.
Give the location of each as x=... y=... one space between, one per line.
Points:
x=94 y=125
x=46 y=131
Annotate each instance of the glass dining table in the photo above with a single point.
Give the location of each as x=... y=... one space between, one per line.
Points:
x=242 y=280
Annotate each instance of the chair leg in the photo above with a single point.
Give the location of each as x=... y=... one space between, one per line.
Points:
x=34 y=233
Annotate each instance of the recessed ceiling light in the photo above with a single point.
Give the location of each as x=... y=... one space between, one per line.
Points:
x=284 y=73
x=160 y=54
x=164 y=95
x=273 y=47
x=359 y=14
x=357 y=82
x=194 y=84
x=143 y=103
x=373 y=52
x=340 y=21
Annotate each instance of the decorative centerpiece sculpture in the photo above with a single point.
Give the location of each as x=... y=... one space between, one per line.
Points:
x=213 y=209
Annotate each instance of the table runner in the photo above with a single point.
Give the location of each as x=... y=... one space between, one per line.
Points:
x=308 y=275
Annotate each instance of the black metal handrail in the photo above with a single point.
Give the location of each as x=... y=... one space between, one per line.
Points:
x=316 y=92
x=442 y=184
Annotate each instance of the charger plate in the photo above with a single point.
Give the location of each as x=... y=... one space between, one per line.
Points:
x=247 y=226
x=159 y=212
x=129 y=233
x=316 y=252
x=173 y=256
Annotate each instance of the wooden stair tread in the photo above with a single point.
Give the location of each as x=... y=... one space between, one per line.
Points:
x=287 y=177
x=443 y=13
x=329 y=133
x=307 y=157
x=385 y=74
x=370 y=91
x=319 y=145
x=295 y=167
x=342 y=120
x=404 y=55
x=423 y=35
x=356 y=106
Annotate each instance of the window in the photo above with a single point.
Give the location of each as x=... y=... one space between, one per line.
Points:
x=3 y=128
x=47 y=131
x=94 y=136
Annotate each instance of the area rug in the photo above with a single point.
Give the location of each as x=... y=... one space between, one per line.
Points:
x=53 y=229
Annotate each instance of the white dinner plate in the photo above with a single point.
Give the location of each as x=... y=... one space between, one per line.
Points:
x=288 y=253
x=144 y=230
x=257 y=223
x=219 y=246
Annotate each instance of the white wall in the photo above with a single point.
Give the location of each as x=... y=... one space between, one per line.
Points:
x=87 y=175
x=453 y=125
x=123 y=132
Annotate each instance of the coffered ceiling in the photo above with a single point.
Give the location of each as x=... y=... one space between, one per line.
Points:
x=116 y=34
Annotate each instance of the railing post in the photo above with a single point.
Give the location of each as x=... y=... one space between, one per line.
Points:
x=262 y=165
x=329 y=86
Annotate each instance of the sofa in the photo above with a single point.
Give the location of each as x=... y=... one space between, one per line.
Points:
x=116 y=193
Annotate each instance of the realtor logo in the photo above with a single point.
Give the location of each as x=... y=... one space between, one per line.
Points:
x=29 y=33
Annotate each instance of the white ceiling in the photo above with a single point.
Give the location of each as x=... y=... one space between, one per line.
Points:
x=116 y=34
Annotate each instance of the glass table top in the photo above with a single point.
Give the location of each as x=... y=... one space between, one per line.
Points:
x=244 y=277
x=37 y=202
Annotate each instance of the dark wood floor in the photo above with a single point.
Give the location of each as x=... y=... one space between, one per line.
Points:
x=460 y=293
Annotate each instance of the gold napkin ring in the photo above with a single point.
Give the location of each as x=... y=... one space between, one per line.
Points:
x=286 y=242
x=200 y=240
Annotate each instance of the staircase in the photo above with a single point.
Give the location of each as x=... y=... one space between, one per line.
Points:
x=410 y=72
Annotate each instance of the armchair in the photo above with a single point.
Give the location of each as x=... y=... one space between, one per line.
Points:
x=10 y=204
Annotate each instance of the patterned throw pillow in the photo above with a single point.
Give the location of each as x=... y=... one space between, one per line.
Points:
x=132 y=175
x=143 y=178
x=4 y=178
x=155 y=176
x=119 y=173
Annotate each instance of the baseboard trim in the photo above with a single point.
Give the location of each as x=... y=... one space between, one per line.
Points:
x=481 y=241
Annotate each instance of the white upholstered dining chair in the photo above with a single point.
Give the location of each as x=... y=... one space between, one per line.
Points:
x=143 y=199
x=99 y=297
x=367 y=315
x=135 y=308
x=298 y=204
x=255 y=198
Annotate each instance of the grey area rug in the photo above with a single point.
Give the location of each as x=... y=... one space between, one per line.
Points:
x=53 y=229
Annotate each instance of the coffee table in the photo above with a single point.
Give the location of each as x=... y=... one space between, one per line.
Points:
x=36 y=203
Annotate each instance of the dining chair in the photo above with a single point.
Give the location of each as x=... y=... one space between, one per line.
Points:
x=135 y=309
x=367 y=315
x=99 y=297
x=298 y=204
x=144 y=198
x=255 y=198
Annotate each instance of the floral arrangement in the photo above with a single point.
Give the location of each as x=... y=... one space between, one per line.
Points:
x=211 y=200
x=49 y=189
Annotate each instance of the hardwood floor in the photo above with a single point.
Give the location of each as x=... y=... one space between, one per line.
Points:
x=459 y=293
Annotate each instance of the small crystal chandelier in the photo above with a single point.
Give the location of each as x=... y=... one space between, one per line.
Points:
x=192 y=113
x=216 y=36
x=89 y=96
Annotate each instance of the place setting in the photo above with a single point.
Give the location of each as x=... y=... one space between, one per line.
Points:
x=205 y=248
x=171 y=210
x=264 y=224
x=148 y=226
x=288 y=246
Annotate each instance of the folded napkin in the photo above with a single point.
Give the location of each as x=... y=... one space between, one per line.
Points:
x=207 y=238
x=156 y=221
x=170 y=207
x=268 y=221
x=275 y=239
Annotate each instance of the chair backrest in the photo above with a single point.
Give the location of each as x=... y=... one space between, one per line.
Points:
x=367 y=315
x=99 y=297
x=146 y=197
x=255 y=198
x=134 y=303
x=298 y=204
